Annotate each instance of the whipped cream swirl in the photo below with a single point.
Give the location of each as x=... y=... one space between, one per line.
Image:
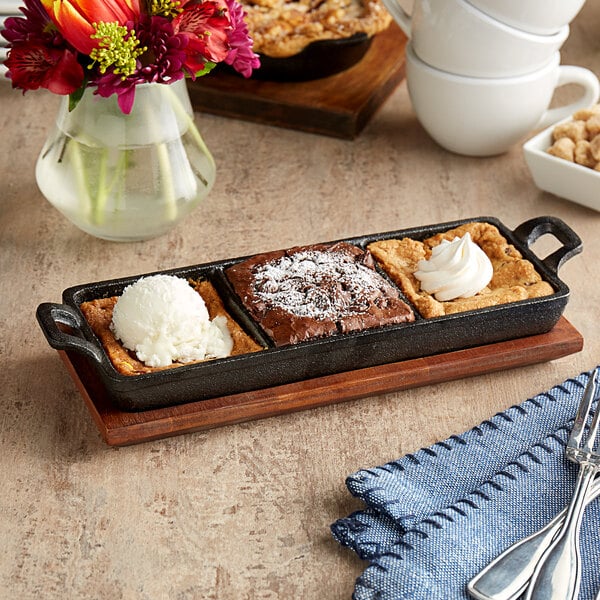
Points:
x=456 y=269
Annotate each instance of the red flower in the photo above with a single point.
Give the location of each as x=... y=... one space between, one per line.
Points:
x=75 y=18
x=205 y=24
x=115 y=45
x=34 y=65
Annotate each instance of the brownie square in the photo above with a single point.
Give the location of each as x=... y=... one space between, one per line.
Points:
x=309 y=292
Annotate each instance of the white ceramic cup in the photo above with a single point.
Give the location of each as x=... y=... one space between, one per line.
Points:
x=484 y=117
x=544 y=17
x=454 y=36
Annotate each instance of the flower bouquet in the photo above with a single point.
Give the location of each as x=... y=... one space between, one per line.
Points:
x=125 y=160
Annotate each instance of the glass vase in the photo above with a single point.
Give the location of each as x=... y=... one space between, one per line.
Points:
x=126 y=177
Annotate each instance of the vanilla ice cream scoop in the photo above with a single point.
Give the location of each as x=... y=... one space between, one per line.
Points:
x=163 y=320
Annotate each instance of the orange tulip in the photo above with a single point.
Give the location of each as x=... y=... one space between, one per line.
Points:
x=74 y=18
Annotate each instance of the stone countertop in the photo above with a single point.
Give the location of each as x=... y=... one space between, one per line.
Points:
x=242 y=511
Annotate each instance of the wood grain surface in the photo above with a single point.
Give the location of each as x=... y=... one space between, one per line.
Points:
x=120 y=428
x=340 y=105
x=241 y=512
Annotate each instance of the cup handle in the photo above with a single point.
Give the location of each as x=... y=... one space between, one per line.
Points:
x=399 y=14
x=577 y=75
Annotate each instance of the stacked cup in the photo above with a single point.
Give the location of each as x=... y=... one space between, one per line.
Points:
x=482 y=73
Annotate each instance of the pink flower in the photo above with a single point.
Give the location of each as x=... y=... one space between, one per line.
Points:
x=205 y=24
x=36 y=26
x=240 y=56
x=114 y=45
x=161 y=63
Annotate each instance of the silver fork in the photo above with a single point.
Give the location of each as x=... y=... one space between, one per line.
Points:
x=507 y=576
x=558 y=574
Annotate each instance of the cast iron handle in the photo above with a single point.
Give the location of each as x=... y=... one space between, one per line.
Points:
x=51 y=315
x=531 y=230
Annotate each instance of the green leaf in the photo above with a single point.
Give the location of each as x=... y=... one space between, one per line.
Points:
x=208 y=67
x=75 y=97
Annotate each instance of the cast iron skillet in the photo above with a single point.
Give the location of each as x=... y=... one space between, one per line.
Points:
x=317 y=60
x=65 y=328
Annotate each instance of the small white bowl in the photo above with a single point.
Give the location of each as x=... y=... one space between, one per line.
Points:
x=559 y=176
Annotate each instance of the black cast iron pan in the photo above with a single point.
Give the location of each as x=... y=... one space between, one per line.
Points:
x=66 y=329
x=317 y=60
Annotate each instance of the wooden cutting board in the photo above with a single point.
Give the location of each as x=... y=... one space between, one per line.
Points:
x=119 y=428
x=339 y=105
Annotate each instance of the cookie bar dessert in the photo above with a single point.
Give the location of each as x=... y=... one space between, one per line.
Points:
x=310 y=292
x=283 y=28
x=99 y=314
x=512 y=278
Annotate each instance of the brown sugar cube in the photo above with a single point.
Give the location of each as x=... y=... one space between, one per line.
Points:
x=593 y=126
x=583 y=154
x=576 y=130
x=586 y=113
x=563 y=148
x=595 y=147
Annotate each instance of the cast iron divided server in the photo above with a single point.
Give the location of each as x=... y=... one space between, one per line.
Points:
x=66 y=329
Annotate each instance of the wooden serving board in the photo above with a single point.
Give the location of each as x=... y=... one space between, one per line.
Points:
x=119 y=428
x=339 y=105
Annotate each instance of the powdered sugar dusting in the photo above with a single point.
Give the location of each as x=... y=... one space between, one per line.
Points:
x=319 y=285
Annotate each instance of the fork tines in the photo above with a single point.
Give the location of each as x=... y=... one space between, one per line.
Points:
x=576 y=448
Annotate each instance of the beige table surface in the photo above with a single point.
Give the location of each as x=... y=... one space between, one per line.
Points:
x=240 y=512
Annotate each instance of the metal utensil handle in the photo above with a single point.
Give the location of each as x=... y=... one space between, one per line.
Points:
x=558 y=574
x=529 y=231
x=507 y=576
